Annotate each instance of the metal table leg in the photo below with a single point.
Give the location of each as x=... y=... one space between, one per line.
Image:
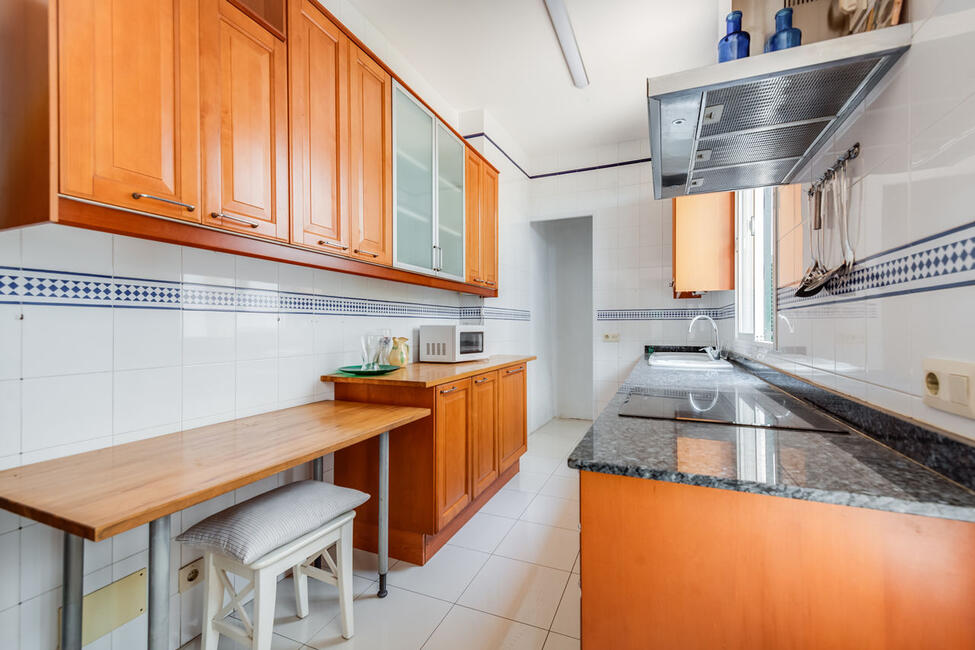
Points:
x=383 y=550
x=159 y=583
x=318 y=474
x=72 y=593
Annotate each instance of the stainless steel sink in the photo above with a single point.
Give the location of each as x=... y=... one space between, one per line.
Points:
x=687 y=361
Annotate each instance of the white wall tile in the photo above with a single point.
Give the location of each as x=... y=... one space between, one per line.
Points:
x=208 y=336
x=40 y=549
x=257 y=386
x=208 y=390
x=10 y=409
x=66 y=409
x=146 y=259
x=39 y=621
x=257 y=335
x=147 y=400
x=10 y=628
x=9 y=569
x=253 y=273
x=10 y=247
x=60 y=342
x=207 y=267
x=50 y=246
x=147 y=338
x=296 y=335
x=10 y=341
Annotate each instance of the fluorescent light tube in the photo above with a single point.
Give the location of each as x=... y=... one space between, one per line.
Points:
x=567 y=40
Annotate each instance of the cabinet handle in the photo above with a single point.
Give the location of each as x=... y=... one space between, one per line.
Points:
x=481 y=380
x=489 y=283
x=246 y=222
x=140 y=195
x=478 y=280
x=512 y=371
x=362 y=252
x=322 y=242
x=448 y=390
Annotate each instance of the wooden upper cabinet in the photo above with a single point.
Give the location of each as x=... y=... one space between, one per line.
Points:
x=370 y=159
x=484 y=432
x=512 y=416
x=704 y=242
x=129 y=105
x=244 y=123
x=453 y=489
x=489 y=226
x=318 y=54
x=472 y=201
x=482 y=221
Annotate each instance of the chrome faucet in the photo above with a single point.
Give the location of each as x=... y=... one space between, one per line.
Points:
x=713 y=352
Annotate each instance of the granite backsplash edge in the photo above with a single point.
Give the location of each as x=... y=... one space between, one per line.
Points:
x=953 y=459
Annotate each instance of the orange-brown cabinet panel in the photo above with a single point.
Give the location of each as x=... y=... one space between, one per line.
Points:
x=453 y=403
x=484 y=432
x=129 y=104
x=472 y=215
x=244 y=125
x=318 y=54
x=512 y=416
x=704 y=242
x=489 y=226
x=370 y=159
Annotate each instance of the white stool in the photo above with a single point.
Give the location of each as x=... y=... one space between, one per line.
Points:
x=287 y=528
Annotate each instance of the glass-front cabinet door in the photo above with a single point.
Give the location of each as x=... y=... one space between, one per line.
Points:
x=428 y=180
x=413 y=168
x=450 y=203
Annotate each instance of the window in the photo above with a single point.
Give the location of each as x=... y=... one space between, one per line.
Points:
x=755 y=264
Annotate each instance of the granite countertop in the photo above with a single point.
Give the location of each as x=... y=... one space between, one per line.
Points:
x=843 y=467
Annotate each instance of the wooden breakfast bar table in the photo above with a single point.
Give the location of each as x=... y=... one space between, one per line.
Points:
x=99 y=494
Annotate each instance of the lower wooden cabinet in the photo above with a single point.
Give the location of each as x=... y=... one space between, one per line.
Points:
x=453 y=438
x=484 y=432
x=443 y=468
x=513 y=420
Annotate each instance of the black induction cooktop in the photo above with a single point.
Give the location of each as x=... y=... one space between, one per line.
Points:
x=752 y=407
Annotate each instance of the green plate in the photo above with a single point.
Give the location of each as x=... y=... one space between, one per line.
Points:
x=358 y=370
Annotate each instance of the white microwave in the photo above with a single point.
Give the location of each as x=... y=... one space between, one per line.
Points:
x=451 y=343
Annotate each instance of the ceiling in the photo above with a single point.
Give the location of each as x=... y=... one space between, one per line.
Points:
x=502 y=56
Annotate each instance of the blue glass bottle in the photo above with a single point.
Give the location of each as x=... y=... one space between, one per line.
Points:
x=785 y=35
x=736 y=43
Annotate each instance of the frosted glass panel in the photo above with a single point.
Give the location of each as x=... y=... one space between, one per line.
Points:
x=450 y=201
x=414 y=182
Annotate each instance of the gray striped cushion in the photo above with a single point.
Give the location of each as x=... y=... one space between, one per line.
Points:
x=249 y=530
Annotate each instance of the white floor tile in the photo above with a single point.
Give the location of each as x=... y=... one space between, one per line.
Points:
x=524 y=592
x=538 y=465
x=508 y=503
x=323 y=606
x=445 y=576
x=278 y=642
x=483 y=532
x=567 y=618
x=578 y=563
x=564 y=487
x=473 y=630
x=553 y=511
x=540 y=544
x=560 y=642
x=403 y=620
x=366 y=564
x=526 y=481
x=547 y=445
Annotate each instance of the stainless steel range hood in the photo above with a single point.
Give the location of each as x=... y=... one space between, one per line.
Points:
x=755 y=122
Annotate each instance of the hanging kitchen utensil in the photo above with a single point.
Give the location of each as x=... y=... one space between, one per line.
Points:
x=843 y=212
x=810 y=283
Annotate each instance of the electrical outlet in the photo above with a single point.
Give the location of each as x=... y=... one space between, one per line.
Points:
x=948 y=386
x=191 y=575
x=611 y=338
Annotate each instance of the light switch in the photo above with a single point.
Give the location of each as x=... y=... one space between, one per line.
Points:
x=958 y=389
x=611 y=338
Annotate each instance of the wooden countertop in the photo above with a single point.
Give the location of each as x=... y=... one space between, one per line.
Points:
x=102 y=493
x=426 y=375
